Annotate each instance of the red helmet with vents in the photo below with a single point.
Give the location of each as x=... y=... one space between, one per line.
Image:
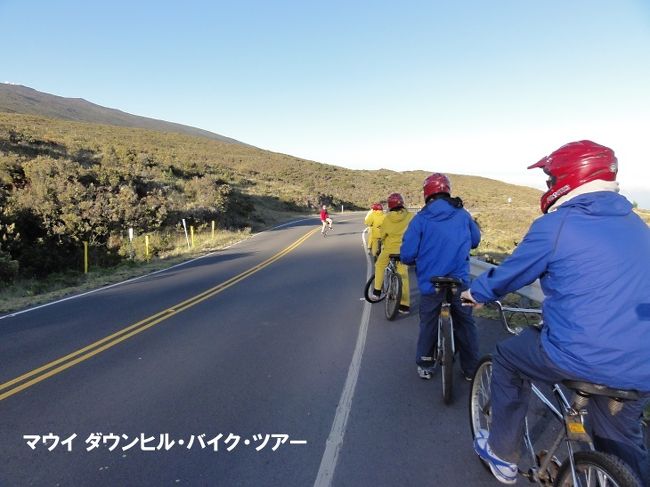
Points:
x=436 y=183
x=377 y=206
x=573 y=165
x=395 y=200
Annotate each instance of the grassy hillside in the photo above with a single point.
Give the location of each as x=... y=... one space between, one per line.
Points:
x=270 y=179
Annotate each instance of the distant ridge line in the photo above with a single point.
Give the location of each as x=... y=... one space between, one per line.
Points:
x=20 y=99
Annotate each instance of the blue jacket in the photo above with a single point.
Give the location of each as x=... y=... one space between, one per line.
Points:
x=438 y=241
x=592 y=256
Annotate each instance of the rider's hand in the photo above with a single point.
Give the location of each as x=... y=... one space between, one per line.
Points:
x=467 y=299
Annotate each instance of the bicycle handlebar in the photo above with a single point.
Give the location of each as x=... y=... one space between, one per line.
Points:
x=504 y=320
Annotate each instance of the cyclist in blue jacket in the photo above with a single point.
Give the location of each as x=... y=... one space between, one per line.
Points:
x=438 y=241
x=591 y=253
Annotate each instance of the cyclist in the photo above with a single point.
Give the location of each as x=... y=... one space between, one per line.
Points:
x=325 y=219
x=373 y=220
x=592 y=255
x=438 y=242
x=392 y=229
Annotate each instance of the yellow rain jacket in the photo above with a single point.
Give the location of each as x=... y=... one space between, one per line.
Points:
x=373 y=220
x=392 y=231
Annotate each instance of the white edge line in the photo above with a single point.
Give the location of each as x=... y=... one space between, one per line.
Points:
x=102 y=288
x=334 y=441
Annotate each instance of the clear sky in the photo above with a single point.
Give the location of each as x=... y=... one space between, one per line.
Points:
x=483 y=87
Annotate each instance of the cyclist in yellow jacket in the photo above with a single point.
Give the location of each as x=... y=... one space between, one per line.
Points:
x=392 y=230
x=373 y=220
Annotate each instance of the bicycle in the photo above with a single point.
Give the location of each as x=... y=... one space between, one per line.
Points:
x=583 y=465
x=327 y=228
x=391 y=289
x=445 y=346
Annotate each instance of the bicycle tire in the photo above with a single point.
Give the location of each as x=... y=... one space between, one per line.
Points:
x=369 y=287
x=480 y=401
x=447 y=359
x=393 y=296
x=590 y=465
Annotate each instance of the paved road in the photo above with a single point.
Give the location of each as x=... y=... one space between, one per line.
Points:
x=265 y=339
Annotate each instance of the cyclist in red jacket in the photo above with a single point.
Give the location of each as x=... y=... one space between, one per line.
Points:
x=325 y=219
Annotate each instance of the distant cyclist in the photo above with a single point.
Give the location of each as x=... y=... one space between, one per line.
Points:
x=438 y=242
x=373 y=220
x=325 y=219
x=392 y=230
x=591 y=253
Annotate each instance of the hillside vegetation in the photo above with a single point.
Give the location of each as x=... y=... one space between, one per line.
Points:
x=62 y=183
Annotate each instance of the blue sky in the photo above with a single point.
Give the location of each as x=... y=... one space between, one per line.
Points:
x=467 y=87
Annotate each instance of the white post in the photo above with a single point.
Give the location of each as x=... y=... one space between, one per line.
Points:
x=131 y=251
x=187 y=239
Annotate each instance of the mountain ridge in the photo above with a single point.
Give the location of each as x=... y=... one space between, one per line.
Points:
x=15 y=98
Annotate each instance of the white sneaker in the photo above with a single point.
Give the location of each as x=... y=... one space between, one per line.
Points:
x=425 y=372
x=504 y=472
x=373 y=297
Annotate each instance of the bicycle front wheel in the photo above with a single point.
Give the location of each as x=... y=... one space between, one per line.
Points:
x=393 y=295
x=447 y=358
x=594 y=468
x=480 y=401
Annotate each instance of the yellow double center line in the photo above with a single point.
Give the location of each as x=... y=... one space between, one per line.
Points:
x=52 y=368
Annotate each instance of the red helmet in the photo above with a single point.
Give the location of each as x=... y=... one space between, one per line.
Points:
x=436 y=183
x=573 y=165
x=395 y=200
x=377 y=206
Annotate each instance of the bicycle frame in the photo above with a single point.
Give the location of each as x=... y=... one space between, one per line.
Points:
x=542 y=468
x=391 y=268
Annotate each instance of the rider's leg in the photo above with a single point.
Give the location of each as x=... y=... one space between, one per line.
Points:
x=323 y=229
x=374 y=246
x=329 y=222
x=622 y=434
x=516 y=361
x=466 y=336
x=380 y=265
x=428 y=337
x=403 y=271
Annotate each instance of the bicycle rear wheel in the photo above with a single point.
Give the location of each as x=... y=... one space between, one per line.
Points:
x=447 y=359
x=393 y=295
x=480 y=401
x=367 y=291
x=594 y=468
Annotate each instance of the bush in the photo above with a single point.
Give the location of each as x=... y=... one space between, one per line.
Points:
x=8 y=268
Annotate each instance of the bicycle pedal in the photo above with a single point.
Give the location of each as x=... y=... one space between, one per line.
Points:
x=552 y=469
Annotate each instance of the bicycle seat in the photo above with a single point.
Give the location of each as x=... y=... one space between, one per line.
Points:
x=591 y=389
x=394 y=256
x=446 y=281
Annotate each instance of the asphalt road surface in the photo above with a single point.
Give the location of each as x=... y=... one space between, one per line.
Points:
x=256 y=365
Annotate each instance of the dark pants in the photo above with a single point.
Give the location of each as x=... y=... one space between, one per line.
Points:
x=522 y=358
x=465 y=333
